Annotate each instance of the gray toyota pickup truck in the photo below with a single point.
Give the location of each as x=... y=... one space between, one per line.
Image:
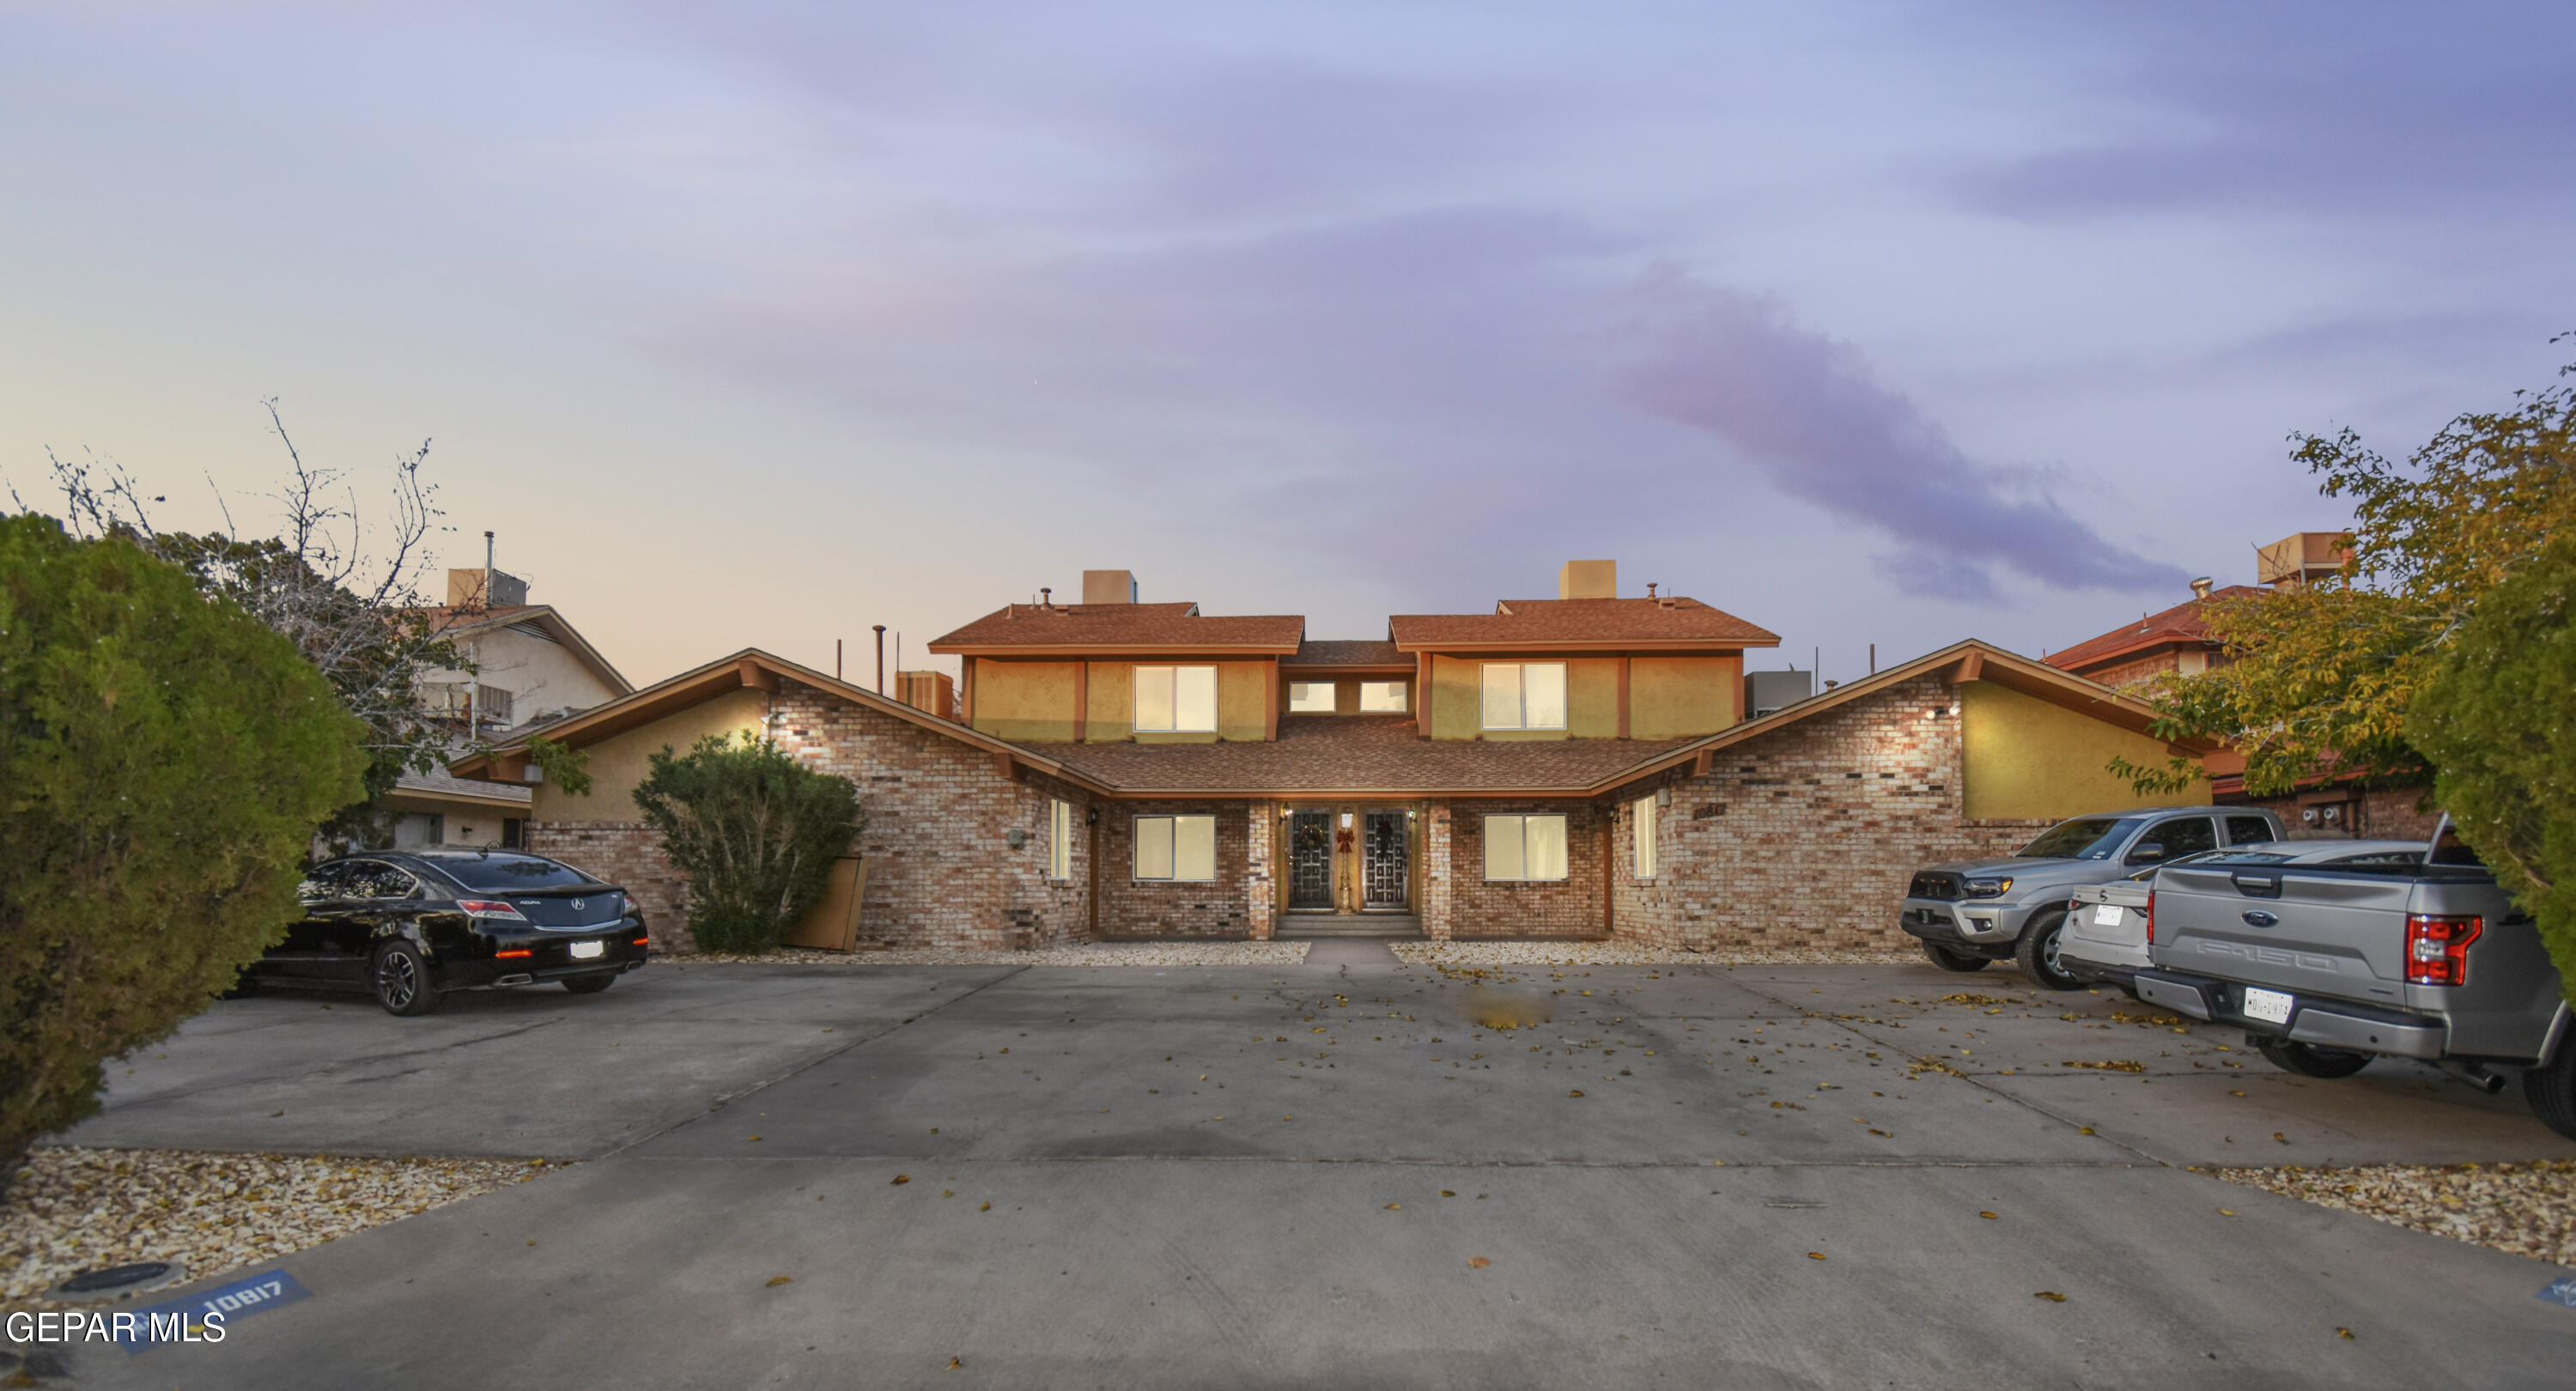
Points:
x=2000 y=910
x=2329 y=965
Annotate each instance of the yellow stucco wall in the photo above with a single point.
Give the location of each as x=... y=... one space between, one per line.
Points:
x=1025 y=702
x=617 y=762
x=1592 y=697
x=1113 y=702
x=1674 y=697
x=2025 y=757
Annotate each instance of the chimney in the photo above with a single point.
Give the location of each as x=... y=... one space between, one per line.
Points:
x=1108 y=587
x=2200 y=587
x=465 y=589
x=2294 y=561
x=1588 y=579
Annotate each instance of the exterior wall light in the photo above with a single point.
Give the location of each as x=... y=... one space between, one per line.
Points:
x=1016 y=837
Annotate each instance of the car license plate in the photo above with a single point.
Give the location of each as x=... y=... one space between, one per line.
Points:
x=583 y=951
x=2270 y=1006
x=2106 y=914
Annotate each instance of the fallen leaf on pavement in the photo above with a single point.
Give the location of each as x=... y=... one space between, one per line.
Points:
x=777 y=1280
x=900 y=1178
x=1574 y=1093
x=988 y=1207
x=1395 y=1207
x=2051 y=1296
x=2343 y=1332
x=1815 y=1255
x=1479 y=1263
x=1988 y=1216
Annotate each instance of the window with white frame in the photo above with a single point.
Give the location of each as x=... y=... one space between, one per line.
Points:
x=1524 y=847
x=1382 y=696
x=1180 y=848
x=1059 y=839
x=1644 y=824
x=1310 y=697
x=1524 y=695
x=1176 y=700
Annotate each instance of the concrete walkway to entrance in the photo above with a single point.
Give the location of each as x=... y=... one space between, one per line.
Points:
x=1349 y=1173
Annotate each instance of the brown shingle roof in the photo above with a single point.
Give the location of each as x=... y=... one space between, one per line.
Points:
x=1339 y=653
x=1113 y=626
x=1521 y=622
x=1358 y=753
x=2185 y=622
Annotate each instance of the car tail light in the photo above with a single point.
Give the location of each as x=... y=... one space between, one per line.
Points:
x=491 y=908
x=2437 y=949
x=518 y=951
x=2151 y=917
x=643 y=941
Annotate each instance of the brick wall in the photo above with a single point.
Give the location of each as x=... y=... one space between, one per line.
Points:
x=1260 y=877
x=1806 y=837
x=1439 y=880
x=2384 y=813
x=941 y=869
x=627 y=854
x=1221 y=907
x=1569 y=907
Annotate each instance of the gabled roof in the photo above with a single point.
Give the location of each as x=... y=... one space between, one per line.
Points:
x=749 y=667
x=2183 y=624
x=1960 y=662
x=1577 y=624
x=449 y=622
x=1145 y=629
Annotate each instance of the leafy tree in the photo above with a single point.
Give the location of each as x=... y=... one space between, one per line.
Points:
x=755 y=831
x=2319 y=678
x=2498 y=719
x=164 y=758
x=358 y=612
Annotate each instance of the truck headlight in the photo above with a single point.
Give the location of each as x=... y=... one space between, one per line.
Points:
x=1989 y=888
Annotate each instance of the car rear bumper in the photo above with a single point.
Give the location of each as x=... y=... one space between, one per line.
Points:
x=2327 y=1023
x=499 y=974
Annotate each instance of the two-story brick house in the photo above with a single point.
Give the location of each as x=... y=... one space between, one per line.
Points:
x=1578 y=766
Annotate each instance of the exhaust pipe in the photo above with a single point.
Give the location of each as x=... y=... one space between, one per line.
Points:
x=531 y=980
x=2475 y=1074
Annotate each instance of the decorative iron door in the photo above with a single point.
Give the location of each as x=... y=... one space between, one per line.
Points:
x=1385 y=869
x=1310 y=860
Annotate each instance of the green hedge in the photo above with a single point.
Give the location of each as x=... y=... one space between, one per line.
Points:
x=164 y=760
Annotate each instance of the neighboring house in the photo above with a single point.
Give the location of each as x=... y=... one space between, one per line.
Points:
x=530 y=667
x=1569 y=767
x=2177 y=642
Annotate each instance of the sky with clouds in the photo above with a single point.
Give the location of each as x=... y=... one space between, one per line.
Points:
x=1873 y=323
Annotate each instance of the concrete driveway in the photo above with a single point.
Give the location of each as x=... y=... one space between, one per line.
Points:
x=1335 y=1175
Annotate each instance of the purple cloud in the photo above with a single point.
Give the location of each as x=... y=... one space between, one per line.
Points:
x=1804 y=410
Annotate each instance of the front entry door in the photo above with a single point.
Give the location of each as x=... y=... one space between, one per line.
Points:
x=1386 y=871
x=1310 y=860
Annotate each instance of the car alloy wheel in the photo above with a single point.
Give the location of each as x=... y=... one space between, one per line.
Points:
x=402 y=981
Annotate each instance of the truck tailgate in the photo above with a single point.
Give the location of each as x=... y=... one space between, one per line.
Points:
x=2306 y=931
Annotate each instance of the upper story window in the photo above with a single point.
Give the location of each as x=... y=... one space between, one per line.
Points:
x=1310 y=697
x=1524 y=695
x=1382 y=696
x=1176 y=700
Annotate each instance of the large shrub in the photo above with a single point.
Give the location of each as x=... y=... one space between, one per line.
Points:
x=2498 y=720
x=164 y=760
x=755 y=831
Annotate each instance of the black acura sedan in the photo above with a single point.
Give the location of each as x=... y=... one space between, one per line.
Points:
x=411 y=925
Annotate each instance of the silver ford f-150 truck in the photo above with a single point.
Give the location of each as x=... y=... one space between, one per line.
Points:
x=1998 y=910
x=2328 y=965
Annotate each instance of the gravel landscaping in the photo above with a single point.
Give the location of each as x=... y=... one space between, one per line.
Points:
x=2528 y=1209
x=1620 y=954
x=1093 y=954
x=71 y=1210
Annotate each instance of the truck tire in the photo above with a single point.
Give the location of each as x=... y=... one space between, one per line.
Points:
x=2308 y=1060
x=1949 y=960
x=2551 y=1090
x=2038 y=951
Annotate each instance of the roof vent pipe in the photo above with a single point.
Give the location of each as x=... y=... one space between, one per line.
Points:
x=1650 y=589
x=1046 y=597
x=2200 y=587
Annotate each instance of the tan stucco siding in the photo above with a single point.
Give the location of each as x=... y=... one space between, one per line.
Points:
x=617 y=763
x=2023 y=757
x=1113 y=703
x=539 y=674
x=1025 y=702
x=1243 y=700
x=1675 y=697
